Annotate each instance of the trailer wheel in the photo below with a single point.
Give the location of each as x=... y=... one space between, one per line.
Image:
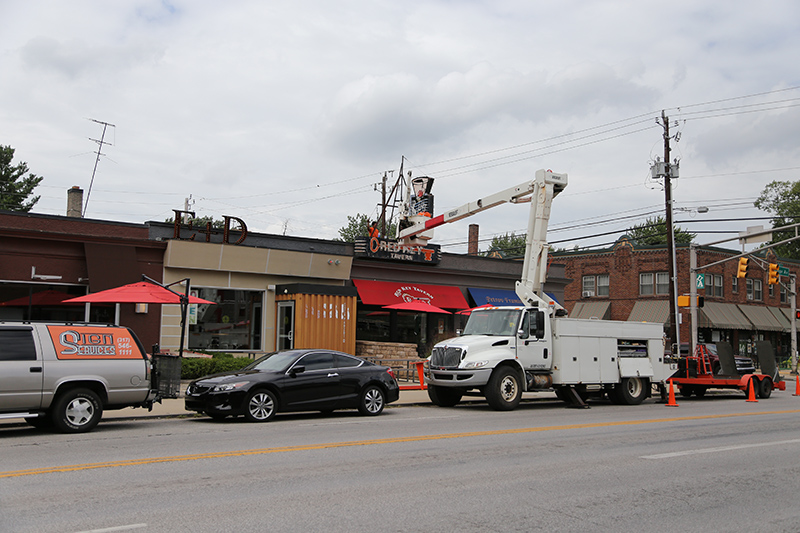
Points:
x=686 y=391
x=77 y=411
x=765 y=388
x=444 y=396
x=633 y=391
x=503 y=392
x=700 y=391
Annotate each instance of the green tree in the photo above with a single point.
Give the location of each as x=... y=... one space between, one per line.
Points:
x=509 y=245
x=15 y=186
x=782 y=200
x=653 y=232
x=358 y=226
x=201 y=222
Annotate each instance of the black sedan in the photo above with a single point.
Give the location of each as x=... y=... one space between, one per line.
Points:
x=295 y=380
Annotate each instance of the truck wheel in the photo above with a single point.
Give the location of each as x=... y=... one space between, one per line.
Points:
x=686 y=391
x=765 y=388
x=503 y=391
x=633 y=391
x=260 y=406
x=372 y=401
x=700 y=391
x=77 y=411
x=444 y=396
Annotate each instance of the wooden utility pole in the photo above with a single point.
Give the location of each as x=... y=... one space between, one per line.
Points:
x=674 y=313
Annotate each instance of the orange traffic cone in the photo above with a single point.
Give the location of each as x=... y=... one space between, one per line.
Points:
x=751 y=386
x=797 y=386
x=671 y=402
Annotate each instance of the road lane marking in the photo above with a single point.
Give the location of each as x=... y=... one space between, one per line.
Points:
x=395 y=440
x=115 y=528
x=719 y=449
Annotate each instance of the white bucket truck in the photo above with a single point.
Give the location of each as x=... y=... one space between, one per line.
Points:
x=505 y=351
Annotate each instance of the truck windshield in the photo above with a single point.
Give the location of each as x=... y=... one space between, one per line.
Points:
x=492 y=322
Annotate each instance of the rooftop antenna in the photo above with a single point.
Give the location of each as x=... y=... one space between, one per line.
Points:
x=100 y=144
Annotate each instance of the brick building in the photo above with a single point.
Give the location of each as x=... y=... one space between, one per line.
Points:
x=627 y=282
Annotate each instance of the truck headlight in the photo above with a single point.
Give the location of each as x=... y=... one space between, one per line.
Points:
x=476 y=364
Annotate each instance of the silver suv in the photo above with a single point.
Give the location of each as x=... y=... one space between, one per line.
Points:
x=65 y=374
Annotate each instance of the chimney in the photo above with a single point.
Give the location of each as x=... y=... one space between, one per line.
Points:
x=472 y=247
x=75 y=202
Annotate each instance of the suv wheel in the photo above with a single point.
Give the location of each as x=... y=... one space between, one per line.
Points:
x=77 y=411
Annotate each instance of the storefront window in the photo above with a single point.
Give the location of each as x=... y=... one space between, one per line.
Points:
x=34 y=301
x=233 y=324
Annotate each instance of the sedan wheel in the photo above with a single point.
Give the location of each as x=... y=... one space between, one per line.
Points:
x=372 y=401
x=260 y=406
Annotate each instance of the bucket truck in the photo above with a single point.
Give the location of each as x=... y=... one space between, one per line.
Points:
x=505 y=351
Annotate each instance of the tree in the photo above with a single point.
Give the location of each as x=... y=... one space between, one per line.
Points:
x=782 y=200
x=358 y=226
x=509 y=245
x=15 y=187
x=653 y=232
x=201 y=222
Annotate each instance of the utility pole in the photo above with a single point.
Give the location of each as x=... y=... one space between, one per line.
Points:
x=674 y=312
x=100 y=144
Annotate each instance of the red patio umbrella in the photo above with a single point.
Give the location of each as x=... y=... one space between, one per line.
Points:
x=417 y=305
x=147 y=292
x=141 y=292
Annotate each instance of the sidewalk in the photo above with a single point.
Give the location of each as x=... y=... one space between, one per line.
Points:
x=175 y=407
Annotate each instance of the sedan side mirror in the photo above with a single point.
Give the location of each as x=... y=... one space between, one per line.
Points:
x=299 y=369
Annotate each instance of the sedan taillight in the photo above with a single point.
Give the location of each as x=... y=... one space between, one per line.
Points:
x=391 y=373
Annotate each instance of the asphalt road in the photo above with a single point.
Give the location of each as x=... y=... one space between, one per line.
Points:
x=712 y=464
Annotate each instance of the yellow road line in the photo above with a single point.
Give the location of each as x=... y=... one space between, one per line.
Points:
x=323 y=446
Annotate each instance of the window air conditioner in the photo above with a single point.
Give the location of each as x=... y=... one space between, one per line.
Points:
x=588 y=294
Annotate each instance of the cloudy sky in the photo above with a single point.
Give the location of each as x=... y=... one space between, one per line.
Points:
x=287 y=114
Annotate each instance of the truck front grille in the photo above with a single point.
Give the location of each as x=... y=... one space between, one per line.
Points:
x=446 y=357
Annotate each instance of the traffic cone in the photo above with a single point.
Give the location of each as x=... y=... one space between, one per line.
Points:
x=671 y=402
x=751 y=385
x=797 y=386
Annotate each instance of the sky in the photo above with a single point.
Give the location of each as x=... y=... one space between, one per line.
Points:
x=287 y=115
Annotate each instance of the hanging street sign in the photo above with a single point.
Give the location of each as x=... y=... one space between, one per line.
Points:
x=783 y=271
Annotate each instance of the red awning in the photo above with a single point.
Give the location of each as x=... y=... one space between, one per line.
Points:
x=391 y=292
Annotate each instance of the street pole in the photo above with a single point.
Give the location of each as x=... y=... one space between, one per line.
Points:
x=793 y=298
x=674 y=328
x=693 y=295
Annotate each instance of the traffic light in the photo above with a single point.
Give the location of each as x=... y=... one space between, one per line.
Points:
x=773 y=274
x=742 y=271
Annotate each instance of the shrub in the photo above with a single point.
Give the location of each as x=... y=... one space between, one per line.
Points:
x=196 y=367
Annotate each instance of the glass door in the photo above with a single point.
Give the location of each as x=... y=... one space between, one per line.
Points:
x=285 y=340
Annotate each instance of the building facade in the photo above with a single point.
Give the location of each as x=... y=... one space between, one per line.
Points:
x=627 y=282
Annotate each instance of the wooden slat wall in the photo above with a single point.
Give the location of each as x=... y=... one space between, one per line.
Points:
x=324 y=321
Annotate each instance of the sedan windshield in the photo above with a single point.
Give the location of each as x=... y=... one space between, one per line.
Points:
x=273 y=362
x=492 y=322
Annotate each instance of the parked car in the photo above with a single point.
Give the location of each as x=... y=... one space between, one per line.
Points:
x=744 y=365
x=295 y=380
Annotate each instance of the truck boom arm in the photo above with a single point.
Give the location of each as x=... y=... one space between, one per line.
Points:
x=540 y=192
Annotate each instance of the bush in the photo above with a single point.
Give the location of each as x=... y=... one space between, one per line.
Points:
x=196 y=367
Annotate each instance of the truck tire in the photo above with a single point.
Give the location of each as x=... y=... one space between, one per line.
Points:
x=503 y=392
x=633 y=391
x=764 y=388
x=77 y=411
x=444 y=396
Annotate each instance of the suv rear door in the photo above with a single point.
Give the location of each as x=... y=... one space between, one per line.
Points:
x=21 y=369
